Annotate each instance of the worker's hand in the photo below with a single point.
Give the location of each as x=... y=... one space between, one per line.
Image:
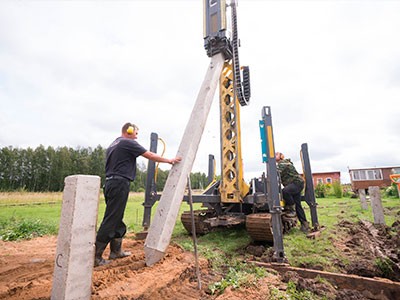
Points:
x=175 y=160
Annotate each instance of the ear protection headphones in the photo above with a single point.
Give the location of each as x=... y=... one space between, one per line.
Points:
x=130 y=130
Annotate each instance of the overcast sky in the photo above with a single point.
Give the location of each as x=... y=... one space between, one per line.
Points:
x=72 y=72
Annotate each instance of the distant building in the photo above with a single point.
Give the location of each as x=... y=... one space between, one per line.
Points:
x=365 y=177
x=326 y=177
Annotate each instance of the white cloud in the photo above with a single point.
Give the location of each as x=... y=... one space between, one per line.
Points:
x=72 y=72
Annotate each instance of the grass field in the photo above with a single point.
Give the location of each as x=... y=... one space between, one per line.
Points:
x=46 y=208
x=24 y=198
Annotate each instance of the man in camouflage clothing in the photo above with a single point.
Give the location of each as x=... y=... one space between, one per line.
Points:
x=293 y=185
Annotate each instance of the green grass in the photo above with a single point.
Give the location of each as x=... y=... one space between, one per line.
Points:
x=28 y=221
x=17 y=229
x=322 y=252
x=332 y=210
x=46 y=207
x=237 y=275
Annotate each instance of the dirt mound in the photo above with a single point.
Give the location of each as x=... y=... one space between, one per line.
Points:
x=374 y=250
x=26 y=268
x=26 y=271
x=371 y=251
x=317 y=287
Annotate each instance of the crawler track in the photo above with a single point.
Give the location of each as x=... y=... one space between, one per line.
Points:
x=200 y=216
x=259 y=227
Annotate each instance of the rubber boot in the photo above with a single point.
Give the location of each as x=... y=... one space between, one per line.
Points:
x=116 y=251
x=305 y=227
x=290 y=210
x=98 y=257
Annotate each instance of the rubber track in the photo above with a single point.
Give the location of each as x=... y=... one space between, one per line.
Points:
x=259 y=227
x=199 y=217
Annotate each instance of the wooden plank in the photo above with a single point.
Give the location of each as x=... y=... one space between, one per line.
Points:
x=161 y=228
x=372 y=288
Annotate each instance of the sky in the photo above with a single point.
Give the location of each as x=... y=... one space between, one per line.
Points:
x=73 y=72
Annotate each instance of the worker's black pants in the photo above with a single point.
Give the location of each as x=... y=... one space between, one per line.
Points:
x=292 y=195
x=116 y=192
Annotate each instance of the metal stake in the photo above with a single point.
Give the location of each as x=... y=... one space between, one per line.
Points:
x=194 y=233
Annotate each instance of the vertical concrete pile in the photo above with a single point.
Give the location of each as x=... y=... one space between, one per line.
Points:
x=73 y=268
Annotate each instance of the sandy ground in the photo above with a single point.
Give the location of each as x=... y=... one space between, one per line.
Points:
x=26 y=271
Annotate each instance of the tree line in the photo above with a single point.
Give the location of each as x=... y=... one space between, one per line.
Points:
x=44 y=169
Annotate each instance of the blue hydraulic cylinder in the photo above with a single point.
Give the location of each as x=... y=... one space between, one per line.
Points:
x=273 y=191
x=263 y=142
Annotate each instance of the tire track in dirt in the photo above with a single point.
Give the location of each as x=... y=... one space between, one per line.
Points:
x=26 y=268
x=26 y=271
x=129 y=278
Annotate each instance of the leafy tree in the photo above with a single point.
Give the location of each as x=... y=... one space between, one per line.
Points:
x=161 y=179
x=139 y=184
x=40 y=169
x=97 y=161
x=8 y=160
x=53 y=169
x=198 y=180
x=44 y=169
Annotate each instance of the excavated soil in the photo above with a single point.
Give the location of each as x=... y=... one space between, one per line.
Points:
x=26 y=269
x=373 y=250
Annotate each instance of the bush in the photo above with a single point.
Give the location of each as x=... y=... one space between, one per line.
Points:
x=337 y=189
x=320 y=190
x=16 y=229
x=392 y=191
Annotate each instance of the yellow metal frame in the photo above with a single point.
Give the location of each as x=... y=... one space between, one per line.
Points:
x=233 y=188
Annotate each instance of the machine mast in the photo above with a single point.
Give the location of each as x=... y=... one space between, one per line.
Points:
x=219 y=38
x=229 y=201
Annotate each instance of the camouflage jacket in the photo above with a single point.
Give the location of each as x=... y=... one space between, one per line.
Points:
x=288 y=172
